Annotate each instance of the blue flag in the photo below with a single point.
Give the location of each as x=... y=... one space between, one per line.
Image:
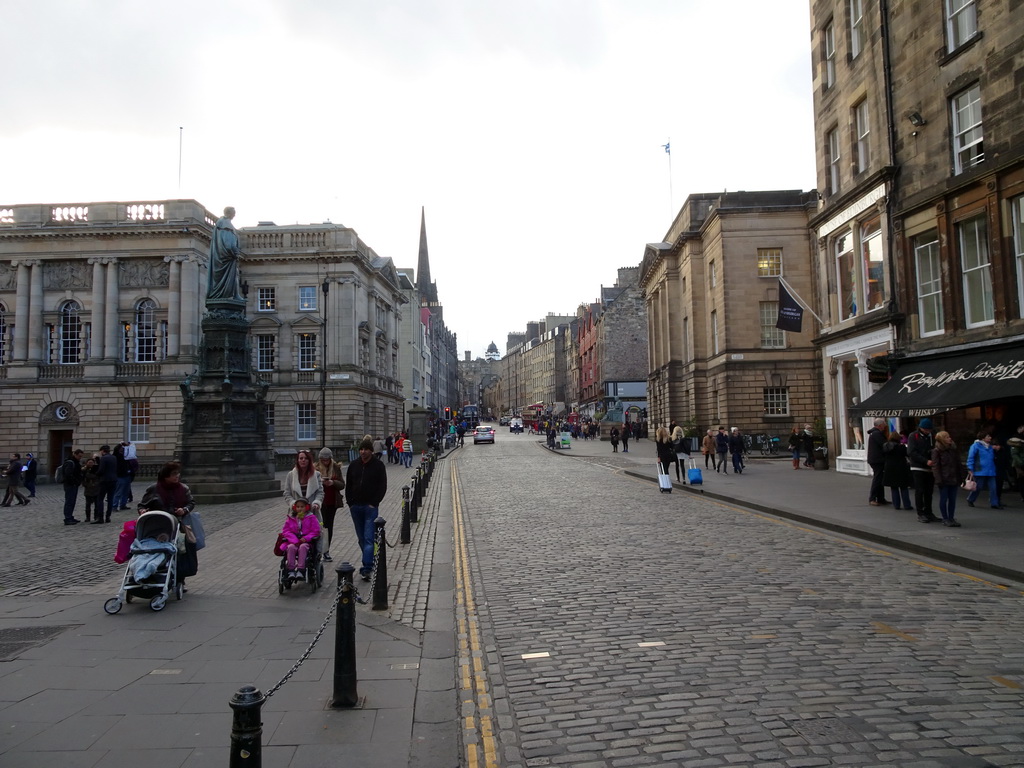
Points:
x=668 y=148
x=791 y=314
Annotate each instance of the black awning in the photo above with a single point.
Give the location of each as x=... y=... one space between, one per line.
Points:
x=925 y=387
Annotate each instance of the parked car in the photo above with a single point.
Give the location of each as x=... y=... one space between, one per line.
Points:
x=503 y=421
x=483 y=434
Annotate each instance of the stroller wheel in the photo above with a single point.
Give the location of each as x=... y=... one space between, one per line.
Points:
x=158 y=603
x=112 y=606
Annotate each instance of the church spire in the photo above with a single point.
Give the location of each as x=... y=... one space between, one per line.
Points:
x=423 y=282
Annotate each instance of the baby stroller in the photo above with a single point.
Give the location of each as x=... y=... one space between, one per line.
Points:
x=153 y=565
x=313 y=574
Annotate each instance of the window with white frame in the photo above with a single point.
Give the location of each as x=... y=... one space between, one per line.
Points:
x=137 y=418
x=307 y=351
x=863 y=127
x=145 y=341
x=832 y=161
x=968 y=136
x=305 y=421
x=265 y=352
x=714 y=332
x=857 y=36
x=876 y=277
x=929 y=284
x=266 y=299
x=70 y=333
x=976 y=267
x=846 y=275
x=776 y=401
x=961 y=22
x=769 y=262
x=771 y=337
x=307 y=298
x=1017 y=212
x=828 y=54
x=269 y=414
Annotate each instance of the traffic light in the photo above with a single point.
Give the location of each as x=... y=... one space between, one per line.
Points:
x=447 y=413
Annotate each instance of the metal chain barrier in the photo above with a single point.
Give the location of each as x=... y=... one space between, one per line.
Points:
x=308 y=650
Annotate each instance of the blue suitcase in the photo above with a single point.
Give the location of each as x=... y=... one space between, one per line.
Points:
x=693 y=474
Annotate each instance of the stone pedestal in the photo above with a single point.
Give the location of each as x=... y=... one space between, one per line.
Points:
x=417 y=421
x=225 y=446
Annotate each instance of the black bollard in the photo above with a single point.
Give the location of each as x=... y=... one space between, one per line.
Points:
x=406 y=527
x=345 y=694
x=419 y=487
x=247 y=728
x=414 y=507
x=380 y=565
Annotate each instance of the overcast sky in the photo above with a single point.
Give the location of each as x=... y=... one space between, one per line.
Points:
x=531 y=131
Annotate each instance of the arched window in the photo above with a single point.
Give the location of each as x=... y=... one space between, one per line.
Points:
x=145 y=332
x=70 y=333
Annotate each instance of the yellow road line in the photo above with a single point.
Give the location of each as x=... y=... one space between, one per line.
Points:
x=478 y=731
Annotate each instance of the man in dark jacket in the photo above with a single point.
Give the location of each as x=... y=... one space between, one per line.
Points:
x=721 y=450
x=108 y=484
x=71 y=470
x=876 y=460
x=919 y=451
x=366 y=483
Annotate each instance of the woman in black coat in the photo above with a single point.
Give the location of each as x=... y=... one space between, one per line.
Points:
x=896 y=473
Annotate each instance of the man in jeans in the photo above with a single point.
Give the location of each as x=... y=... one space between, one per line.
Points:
x=919 y=451
x=71 y=471
x=108 y=484
x=366 y=483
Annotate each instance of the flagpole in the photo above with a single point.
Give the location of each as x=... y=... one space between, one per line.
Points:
x=181 y=129
x=667 y=146
x=799 y=298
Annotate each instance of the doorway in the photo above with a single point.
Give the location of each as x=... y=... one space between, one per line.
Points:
x=60 y=447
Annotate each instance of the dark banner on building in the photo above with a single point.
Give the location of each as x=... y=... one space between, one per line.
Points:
x=791 y=314
x=929 y=386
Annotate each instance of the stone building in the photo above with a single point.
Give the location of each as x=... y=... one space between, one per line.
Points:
x=919 y=129
x=712 y=291
x=100 y=309
x=534 y=370
x=440 y=343
x=612 y=339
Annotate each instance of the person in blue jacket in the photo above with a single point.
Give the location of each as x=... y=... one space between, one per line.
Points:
x=981 y=462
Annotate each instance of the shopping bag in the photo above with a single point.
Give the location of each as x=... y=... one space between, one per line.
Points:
x=195 y=522
x=693 y=474
x=970 y=484
x=664 y=481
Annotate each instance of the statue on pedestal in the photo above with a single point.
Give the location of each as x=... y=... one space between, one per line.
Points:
x=224 y=255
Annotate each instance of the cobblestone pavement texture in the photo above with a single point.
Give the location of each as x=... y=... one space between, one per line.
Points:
x=690 y=632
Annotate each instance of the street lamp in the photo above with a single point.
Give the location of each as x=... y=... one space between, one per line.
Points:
x=325 y=286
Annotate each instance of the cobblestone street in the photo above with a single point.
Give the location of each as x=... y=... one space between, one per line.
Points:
x=624 y=627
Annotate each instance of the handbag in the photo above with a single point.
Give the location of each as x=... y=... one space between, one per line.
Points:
x=179 y=541
x=281 y=545
x=970 y=484
x=190 y=535
x=195 y=524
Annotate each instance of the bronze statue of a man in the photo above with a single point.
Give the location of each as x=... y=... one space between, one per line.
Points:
x=224 y=255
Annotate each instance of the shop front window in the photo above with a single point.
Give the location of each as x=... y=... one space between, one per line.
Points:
x=853 y=434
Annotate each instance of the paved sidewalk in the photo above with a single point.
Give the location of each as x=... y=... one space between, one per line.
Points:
x=990 y=541
x=80 y=688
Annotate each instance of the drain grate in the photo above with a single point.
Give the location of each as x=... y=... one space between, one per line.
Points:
x=16 y=640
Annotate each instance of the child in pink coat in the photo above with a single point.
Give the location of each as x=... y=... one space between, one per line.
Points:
x=300 y=531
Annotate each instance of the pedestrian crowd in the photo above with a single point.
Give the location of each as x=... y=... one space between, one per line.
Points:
x=926 y=460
